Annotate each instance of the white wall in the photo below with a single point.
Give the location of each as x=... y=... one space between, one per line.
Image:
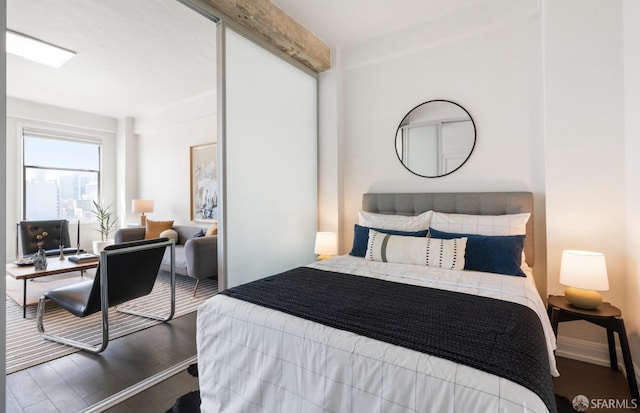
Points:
x=584 y=139
x=22 y=112
x=330 y=138
x=163 y=169
x=146 y=157
x=486 y=59
x=127 y=170
x=545 y=83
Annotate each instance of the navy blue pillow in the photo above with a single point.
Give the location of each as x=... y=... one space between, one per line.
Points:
x=361 y=237
x=501 y=254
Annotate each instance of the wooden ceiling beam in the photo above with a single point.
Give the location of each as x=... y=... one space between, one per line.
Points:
x=273 y=25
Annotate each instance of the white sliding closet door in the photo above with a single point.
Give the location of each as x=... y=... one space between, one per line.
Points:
x=269 y=186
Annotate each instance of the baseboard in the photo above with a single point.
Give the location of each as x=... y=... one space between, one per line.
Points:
x=590 y=352
x=139 y=387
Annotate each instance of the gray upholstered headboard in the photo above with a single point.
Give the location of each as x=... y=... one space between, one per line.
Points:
x=473 y=203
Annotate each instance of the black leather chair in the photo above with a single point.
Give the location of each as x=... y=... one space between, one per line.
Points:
x=126 y=271
x=58 y=230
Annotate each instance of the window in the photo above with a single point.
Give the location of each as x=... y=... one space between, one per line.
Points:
x=61 y=176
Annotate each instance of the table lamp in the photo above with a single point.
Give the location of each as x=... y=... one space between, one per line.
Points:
x=142 y=205
x=326 y=245
x=584 y=273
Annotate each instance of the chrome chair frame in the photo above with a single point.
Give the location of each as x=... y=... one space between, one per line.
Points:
x=104 y=301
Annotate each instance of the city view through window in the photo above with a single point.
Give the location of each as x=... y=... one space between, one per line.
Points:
x=61 y=178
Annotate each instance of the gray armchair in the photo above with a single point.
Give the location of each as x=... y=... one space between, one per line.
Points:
x=196 y=256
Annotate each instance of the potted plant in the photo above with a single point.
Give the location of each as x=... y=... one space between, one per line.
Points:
x=106 y=223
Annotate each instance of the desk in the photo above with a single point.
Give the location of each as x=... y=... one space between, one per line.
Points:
x=605 y=315
x=54 y=266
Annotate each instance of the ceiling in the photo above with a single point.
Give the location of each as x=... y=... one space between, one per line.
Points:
x=135 y=57
x=347 y=22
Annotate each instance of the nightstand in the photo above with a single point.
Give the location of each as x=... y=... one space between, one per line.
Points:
x=605 y=315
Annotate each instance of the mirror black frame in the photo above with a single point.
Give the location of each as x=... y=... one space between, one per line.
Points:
x=400 y=125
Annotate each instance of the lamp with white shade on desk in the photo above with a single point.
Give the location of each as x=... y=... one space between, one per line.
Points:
x=142 y=205
x=584 y=273
x=326 y=245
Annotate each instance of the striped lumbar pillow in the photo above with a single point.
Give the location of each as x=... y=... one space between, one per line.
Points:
x=442 y=253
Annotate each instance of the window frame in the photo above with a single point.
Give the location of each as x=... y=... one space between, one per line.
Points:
x=54 y=133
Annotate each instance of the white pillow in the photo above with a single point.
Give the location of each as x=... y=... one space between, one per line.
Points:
x=169 y=233
x=441 y=253
x=397 y=222
x=511 y=224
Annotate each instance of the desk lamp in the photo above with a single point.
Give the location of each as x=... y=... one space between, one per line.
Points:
x=142 y=205
x=584 y=273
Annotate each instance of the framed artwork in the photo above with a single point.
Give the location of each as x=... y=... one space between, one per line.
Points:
x=204 y=183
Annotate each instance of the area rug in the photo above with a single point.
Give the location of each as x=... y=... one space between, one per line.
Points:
x=25 y=348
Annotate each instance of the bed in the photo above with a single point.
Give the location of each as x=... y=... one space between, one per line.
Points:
x=385 y=331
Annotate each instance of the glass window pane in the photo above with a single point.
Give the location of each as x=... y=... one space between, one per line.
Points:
x=59 y=153
x=61 y=178
x=52 y=194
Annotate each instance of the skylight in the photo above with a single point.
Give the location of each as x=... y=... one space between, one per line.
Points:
x=37 y=50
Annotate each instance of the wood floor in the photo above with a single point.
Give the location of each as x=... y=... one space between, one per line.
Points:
x=594 y=382
x=75 y=382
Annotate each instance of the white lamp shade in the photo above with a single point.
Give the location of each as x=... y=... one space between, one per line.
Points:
x=142 y=205
x=584 y=269
x=326 y=243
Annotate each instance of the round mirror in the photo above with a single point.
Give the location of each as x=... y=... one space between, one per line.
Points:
x=435 y=138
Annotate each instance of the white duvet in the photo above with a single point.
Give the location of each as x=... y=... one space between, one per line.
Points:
x=251 y=358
